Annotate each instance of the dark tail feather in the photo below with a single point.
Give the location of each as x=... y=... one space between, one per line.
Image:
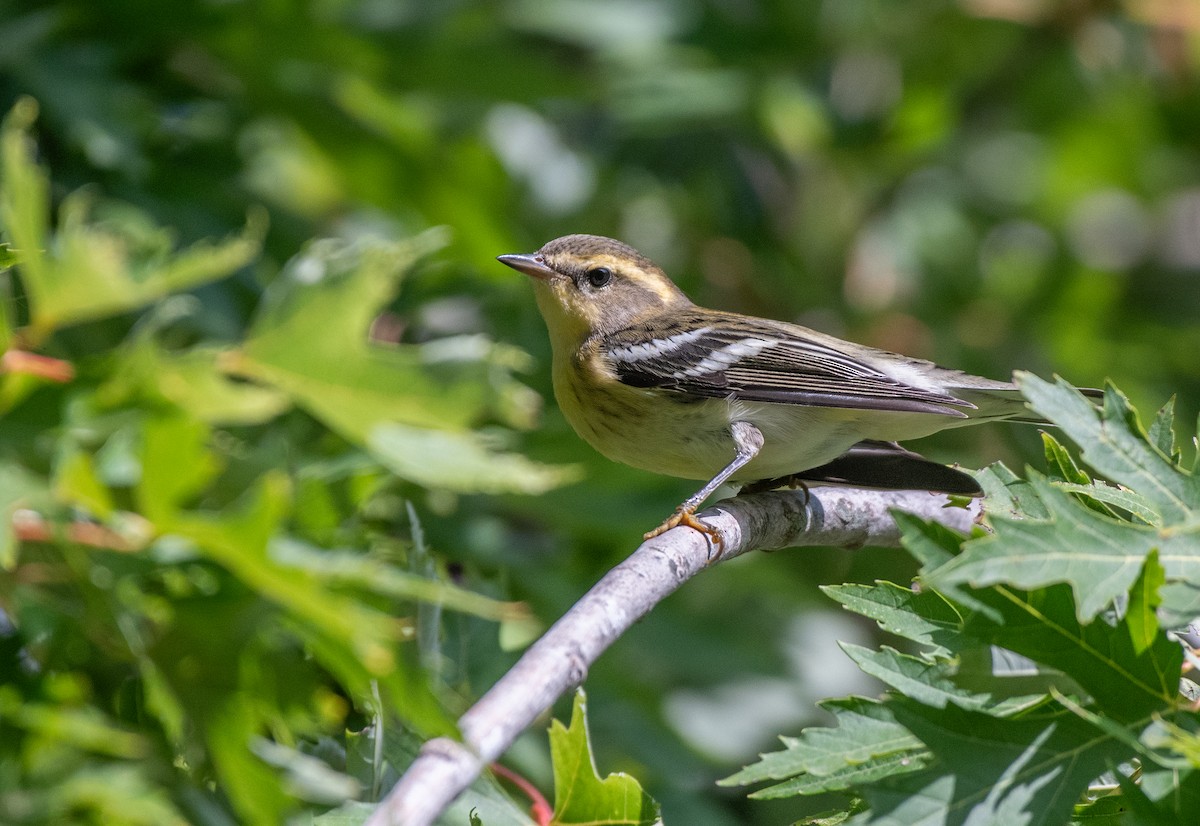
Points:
x=871 y=464
x=1007 y=404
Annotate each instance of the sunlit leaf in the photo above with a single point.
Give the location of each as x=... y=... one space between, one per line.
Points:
x=89 y=270
x=411 y=405
x=461 y=462
x=867 y=744
x=924 y=617
x=1114 y=444
x=930 y=683
x=580 y=795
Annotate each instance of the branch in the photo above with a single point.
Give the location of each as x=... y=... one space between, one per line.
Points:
x=831 y=517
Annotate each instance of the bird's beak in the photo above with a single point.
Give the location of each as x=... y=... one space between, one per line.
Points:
x=531 y=264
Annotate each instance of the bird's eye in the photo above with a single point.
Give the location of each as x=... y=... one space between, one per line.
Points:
x=599 y=277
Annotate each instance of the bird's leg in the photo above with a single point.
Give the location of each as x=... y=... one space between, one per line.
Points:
x=748 y=441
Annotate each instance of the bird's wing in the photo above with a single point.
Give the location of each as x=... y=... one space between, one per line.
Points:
x=757 y=360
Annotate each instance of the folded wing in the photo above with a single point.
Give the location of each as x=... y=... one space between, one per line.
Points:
x=756 y=360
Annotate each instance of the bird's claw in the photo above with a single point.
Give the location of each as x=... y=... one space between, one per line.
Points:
x=687 y=517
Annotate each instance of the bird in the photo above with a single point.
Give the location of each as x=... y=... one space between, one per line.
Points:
x=650 y=379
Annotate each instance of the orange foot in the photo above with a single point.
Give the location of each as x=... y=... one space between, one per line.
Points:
x=687 y=518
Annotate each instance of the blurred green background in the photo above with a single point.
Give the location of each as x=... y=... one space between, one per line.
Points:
x=992 y=184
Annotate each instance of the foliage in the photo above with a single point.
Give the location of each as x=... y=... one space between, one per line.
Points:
x=580 y=795
x=209 y=472
x=1076 y=725
x=178 y=536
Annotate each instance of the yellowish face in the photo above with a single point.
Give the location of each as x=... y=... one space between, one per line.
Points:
x=586 y=284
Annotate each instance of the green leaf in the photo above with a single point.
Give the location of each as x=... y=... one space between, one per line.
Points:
x=341 y=567
x=91 y=270
x=1060 y=462
x=1161 y=797
x=867 y=744
x=1109 y=810
x=1042 y=625
x=1007 y=493
x=1162 y=431
x=580 y=796
x=1114 y=444
x=176 y=465
x=8 y=258
x=930 y=682
x=25 y=192
x=412 y=406
x=925 y=617
x=1118 y=498
x=461 y=462
x=194 y=381
x=931 y=543
x=1141 y=616
x=306 y=777
x=990 y=771
x=77 y=483
x=17 y=487
x=1097 y=556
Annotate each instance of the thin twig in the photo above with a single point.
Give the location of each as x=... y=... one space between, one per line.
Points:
x=831 y=517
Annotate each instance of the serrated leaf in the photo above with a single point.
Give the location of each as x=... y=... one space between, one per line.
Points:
x=1174 y=796
x=925 y=617
x=88 y=270
x=412 y=406
x=990 y=771
x=1119 y=498
x=310 y=338
x=1113 y=443
x=1168 y=809
x=1005 y=492
x=851 y=776
x=1162 y=431
x=580 y=795
x=866 y=745
x=1100 y=657
x=1098 y=557
x=930 y=682
x=1060 y=462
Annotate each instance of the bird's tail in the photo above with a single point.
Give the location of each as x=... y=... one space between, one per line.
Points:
x=881 y=465
x=1002 y=400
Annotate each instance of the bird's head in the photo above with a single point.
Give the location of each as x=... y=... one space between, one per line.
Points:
x=587 y=284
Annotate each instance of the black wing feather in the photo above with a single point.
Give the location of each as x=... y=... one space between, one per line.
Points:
x=795 y=369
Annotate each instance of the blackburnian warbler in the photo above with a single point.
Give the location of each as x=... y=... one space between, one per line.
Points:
x=651 y=380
